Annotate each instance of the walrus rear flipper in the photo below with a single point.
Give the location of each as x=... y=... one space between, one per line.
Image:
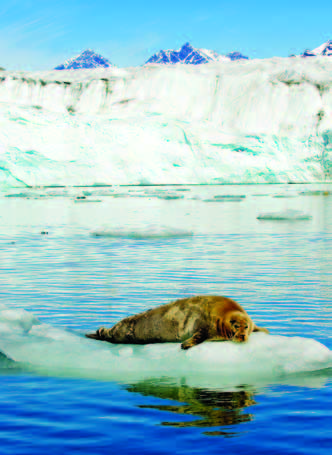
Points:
x=101 y=334
x=94 y=336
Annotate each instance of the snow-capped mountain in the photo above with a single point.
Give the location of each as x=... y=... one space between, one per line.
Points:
x=189 y=55
x=86 y=60
x=308 y=53
x=324 y=50
x=237 y=56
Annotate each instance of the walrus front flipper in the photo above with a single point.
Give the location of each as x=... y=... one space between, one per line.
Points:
x=260 y=329
x=197 y=338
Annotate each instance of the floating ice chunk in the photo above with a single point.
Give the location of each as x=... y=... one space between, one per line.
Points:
x=27 y=195
x=169 y=197
x=287 y=215
x=316 y=193
x=229 y=197
x=118 y=195
x=99 y=192
x=59 y=193
x=17 y=320
x=87 y=200
x=225 y=199
x=142 y=233
x=46 y=349
x=23 y=195
x=284 y=195
x=34 y=195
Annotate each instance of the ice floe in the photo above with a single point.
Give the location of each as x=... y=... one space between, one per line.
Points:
x=286 y=215
x=142 y=232
x=45 y=349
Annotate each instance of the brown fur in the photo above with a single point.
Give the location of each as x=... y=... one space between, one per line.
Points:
x=189 y=321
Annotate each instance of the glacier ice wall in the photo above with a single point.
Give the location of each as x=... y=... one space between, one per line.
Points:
x=259 y=121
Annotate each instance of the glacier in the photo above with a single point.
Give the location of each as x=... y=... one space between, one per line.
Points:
x=255 y=121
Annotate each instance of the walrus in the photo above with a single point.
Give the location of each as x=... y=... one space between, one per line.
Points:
x=189 y=321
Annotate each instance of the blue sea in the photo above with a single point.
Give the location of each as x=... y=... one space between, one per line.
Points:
x=75 y=259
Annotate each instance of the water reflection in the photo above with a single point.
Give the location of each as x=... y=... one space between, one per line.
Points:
x=213 y=408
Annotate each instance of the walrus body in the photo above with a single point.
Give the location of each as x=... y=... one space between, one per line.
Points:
x=189 y=321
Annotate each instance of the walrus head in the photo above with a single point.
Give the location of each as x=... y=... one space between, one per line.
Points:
x=236 y=326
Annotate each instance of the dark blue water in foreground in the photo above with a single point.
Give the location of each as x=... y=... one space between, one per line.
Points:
x=279 y=271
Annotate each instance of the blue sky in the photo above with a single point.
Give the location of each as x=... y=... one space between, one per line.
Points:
x=39 y=34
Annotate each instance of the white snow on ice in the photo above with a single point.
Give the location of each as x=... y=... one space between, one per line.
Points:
x=257 y=121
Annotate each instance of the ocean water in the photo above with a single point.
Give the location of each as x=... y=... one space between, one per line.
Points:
x=75 y=259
